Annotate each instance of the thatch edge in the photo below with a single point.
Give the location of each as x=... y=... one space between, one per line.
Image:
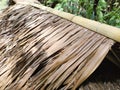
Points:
x=104 y=29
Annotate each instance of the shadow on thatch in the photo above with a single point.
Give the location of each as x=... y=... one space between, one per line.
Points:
x=106 y=77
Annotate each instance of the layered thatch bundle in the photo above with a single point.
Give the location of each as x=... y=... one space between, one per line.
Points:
x=42 y=51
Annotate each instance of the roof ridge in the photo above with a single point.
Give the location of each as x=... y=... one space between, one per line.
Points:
x=104 y=29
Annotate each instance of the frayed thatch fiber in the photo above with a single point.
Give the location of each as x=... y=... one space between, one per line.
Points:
x=40 y=50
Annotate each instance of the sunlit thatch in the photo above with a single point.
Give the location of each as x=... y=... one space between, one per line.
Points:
x=40 y=50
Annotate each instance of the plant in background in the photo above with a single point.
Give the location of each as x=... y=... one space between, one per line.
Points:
x=106 y=11
x=112 y=14
x=101 y=9
x=3 y=4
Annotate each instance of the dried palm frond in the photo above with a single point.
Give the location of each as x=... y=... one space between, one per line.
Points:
x=40 y=50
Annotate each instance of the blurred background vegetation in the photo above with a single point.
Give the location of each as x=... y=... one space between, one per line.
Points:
x=105 y=11
x=3 y=4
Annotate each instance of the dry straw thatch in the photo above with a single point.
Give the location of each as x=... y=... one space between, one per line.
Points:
x=40 y=50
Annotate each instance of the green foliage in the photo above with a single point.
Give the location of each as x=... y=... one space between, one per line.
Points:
x=107 y=11
x=113 y=17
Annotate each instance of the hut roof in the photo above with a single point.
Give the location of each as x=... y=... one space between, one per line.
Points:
x=41 y=50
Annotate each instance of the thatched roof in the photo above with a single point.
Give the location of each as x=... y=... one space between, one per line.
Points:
x=40 y=50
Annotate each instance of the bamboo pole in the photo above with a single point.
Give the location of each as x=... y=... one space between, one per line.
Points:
x=104 y=29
